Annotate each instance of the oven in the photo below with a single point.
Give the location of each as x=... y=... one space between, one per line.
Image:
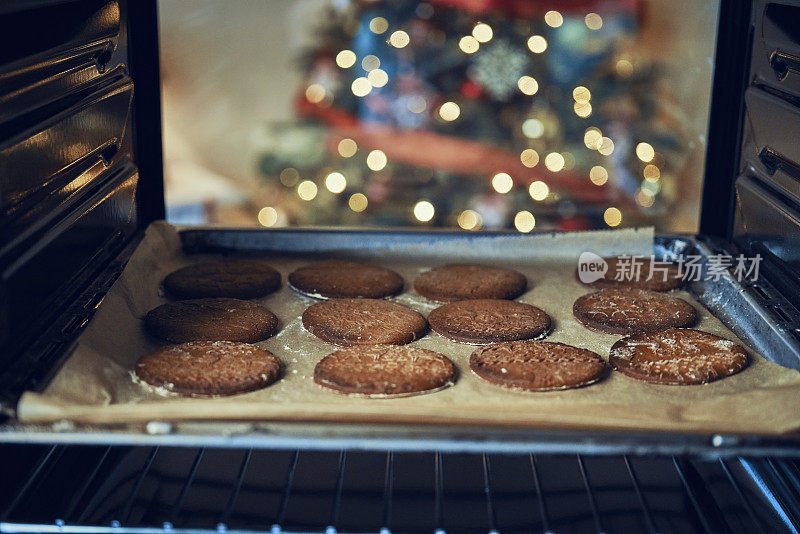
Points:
x=81 y=179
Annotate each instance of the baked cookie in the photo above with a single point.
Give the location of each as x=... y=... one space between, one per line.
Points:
x=482 y=321
x=631 y=311
x=336 y=279
x=536 y=365
x=383 y=371
x=241 y=279
x=220 y=319
x=666 y=280
x=209 y=368
x=458 y=281
x=678 y=356
x=364 y=322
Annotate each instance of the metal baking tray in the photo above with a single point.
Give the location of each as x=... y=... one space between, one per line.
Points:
x=755 y=312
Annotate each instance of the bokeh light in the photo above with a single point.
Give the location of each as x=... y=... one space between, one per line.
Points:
x=378 y=25
x=524 y=221
x=361 y=86
x=538 y=190
x=449 y=111
x=346 y=59
x=378 y=77
x=468 y=44
x=593 y=21
x=645 y=152
x=268 y=216
x=482 y=32
x=424 y=211
x=370 y=62
x=529 y=157
x=502 y=182
x=315 y=93
x=612 y=216
x=532 y=128
x=376 y=160
x=606 y=146
x=528 y=85
x=598 y=175
x=554 y=161
x=469 y=220
x=307 y=190
x=347 y=148
x=554 y=19
x=537 y=44
x=335 y=182
x=651 y=173
x=357 y=202
x=399 y=39
x=289 y=177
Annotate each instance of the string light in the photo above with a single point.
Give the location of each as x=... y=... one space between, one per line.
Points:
x=424 y=211
x=335 y=182
x=645 y=152
x=482 y=32
x=361 y=86
x=378 y=25
x=378 y=77
x=449 y=111
x=502 y=183
x=538 y=190
x=376 y=160
x=593 y=21
x=606 y=146
x=289 y=177
x=528 y=85
x=346 y=59
x=399 y=39
x=554 y=19
x=268 y=216
x=315 y=93
x=554 y=161
x=537 y=44
x=469 y=220
x=524 y=221
x=347 y=148
x=357 y=202
x=307 y=190
x=612 y=216
x=598 y=175
x=529 y=157
x=468 y=44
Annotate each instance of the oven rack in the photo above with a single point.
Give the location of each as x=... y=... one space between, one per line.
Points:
x=114 y=489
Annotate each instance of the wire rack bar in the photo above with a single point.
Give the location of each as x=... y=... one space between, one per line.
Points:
x=692 y=496
x=487 y=489
x=128 y=508
x=237 y=487
x=648 y=517
x=438 y=491
x=540 y=497
x=79 y=493
x=287 y=491
x=388 y=487
x=744 y=500
x=176 y=508
x=54 y=453
x=337 y=497
x=590 y=494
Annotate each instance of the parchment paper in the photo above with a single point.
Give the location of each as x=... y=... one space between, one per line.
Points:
x=95 y=384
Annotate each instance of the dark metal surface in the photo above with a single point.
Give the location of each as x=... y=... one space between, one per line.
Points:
x=161 y=489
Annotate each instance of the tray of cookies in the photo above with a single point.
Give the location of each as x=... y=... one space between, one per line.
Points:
x=390 y=329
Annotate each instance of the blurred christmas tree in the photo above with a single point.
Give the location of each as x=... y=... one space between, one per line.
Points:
x=477 y=114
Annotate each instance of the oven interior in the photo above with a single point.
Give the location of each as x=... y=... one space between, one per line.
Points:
x=81 y=177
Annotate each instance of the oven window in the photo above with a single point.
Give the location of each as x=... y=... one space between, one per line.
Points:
x=464 y=114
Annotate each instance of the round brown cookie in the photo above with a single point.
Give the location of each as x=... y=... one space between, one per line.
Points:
x=364 y=322
x=536 y=365
x=678 y=356
x=345 y=279
x=631 y=311
x=482 y=321
x=241 y=279
x=458 y=281
x=218 y=319
x=209 y=368
x=380 y=370
x=670 y=278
